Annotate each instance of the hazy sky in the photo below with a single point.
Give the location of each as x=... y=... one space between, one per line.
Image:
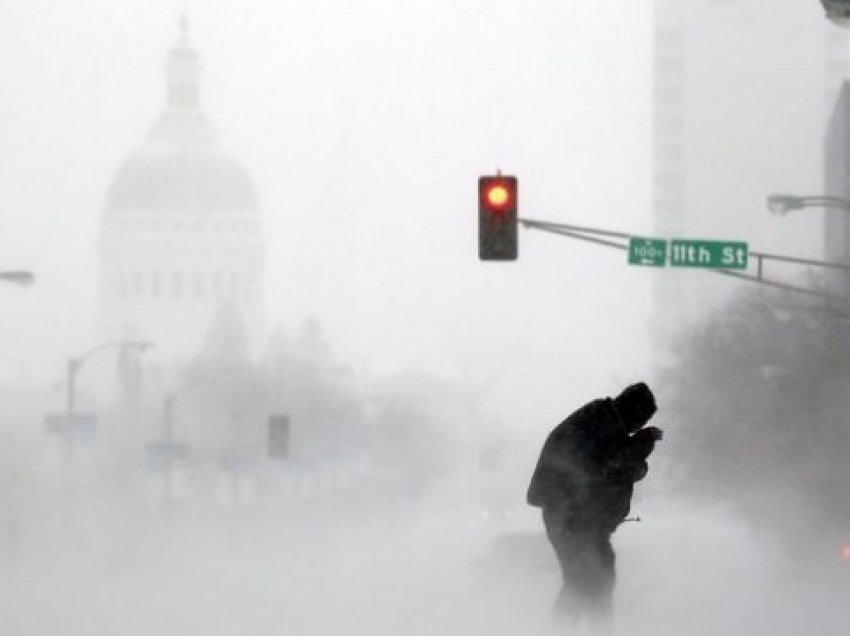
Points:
x=365 y=126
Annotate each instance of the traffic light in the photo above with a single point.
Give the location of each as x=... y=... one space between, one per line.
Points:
x=497 y=213
x=278 y=439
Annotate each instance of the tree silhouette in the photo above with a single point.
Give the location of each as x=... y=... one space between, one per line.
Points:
x=758 y=411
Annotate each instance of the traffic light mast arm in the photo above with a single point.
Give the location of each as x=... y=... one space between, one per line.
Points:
x=578 y=232
x=779 y=285
x=592 y=235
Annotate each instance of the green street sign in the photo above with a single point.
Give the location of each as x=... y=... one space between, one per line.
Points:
x=647 y=251
x=708 y=254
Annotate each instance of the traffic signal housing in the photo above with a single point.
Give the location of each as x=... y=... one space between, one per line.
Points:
x=278 y=437
x=497 y=218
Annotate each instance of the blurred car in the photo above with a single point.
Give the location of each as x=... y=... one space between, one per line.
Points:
x=515 y=552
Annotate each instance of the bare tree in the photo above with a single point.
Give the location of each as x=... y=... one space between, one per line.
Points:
x=759 y=411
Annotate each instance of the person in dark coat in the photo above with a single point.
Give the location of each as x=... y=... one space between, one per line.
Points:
x=583 y=482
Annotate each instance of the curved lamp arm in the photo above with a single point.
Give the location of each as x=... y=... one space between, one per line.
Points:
x=18 y=277
x=74 y=364
x=785 y=203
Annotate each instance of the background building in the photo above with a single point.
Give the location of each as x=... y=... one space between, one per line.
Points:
x=181 y=238
x=742 y=92
x=837 y=184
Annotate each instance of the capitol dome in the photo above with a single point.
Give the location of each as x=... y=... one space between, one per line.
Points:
x=181 y=232
x=172 y=177
x=180 y=168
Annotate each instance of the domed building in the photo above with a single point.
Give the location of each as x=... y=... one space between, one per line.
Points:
x=182 y=237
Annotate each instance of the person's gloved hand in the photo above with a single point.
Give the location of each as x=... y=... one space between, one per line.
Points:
x=642 y=443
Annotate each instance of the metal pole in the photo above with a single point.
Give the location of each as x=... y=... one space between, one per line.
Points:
x=168 y=434
x=587 y=234
x=74 y=365
x=67 y=427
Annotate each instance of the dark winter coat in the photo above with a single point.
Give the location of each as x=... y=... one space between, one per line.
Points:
x=588 y=466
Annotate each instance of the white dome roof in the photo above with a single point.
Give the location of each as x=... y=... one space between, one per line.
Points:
x=178 y=178
x=180 y=169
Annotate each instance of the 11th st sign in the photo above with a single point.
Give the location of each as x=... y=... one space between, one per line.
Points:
x=688 y=253
x=708 y=254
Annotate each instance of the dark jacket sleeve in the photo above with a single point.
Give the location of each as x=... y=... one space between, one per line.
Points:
x=611 y=497
x=629 y=461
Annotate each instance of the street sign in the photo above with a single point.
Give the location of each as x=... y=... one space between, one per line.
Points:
x=77 y=426
x=647 y=251
x=708 y=254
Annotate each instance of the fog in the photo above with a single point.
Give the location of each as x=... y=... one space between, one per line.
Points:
x=416 y=382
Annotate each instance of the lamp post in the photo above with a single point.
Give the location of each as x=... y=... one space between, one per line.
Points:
x=19 y=277
x=74 y=366
x=782 y=204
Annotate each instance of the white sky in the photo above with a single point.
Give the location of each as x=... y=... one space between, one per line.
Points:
x=364 y=126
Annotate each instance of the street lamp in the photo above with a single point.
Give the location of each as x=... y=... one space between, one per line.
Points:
x=18 y=277
x=784 y=203
x=74 y=365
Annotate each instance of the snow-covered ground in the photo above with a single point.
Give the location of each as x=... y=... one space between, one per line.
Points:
x=400 y=569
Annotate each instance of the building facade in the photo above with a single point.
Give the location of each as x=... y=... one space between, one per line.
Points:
x=837 y=184
x=742 y=92
x=181 y=238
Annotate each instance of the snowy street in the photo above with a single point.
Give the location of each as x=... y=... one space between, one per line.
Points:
x=409 y=571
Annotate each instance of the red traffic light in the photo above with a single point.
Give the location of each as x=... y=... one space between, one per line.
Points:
x=497 y=194
x=497 y=218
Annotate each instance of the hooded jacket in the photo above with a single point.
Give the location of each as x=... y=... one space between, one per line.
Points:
x=590 y=462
